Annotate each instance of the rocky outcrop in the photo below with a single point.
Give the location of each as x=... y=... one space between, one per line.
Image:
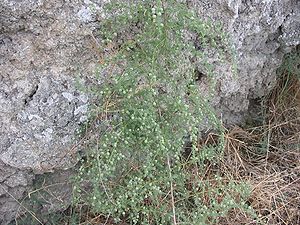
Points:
x=261 y=33
x=46 y=45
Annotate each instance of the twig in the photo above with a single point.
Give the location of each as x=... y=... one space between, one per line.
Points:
x=31 y=213
x=172 y=195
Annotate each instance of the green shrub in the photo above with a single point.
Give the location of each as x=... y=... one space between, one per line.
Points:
x=150 y=107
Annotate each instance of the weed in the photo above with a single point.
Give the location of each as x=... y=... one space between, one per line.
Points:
x=148 y=109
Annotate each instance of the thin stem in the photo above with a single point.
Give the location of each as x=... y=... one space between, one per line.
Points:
x=172 y=192
x=27 y=210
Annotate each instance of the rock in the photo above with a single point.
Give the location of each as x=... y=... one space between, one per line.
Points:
x=46 y=45
x=261 y=33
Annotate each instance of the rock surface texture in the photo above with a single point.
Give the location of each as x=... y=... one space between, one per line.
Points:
x=46 y=45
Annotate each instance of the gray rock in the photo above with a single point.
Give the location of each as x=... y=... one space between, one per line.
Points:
x=45 y=45
x=261 y=33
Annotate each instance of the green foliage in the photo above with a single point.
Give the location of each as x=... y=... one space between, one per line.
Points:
x=291 y=64
x=149 y=106
x=288 y=76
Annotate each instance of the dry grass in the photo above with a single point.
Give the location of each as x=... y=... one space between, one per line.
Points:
x=268 y=158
